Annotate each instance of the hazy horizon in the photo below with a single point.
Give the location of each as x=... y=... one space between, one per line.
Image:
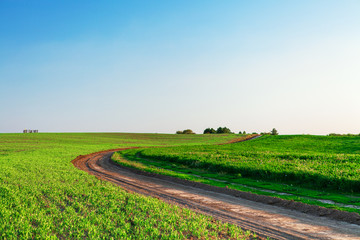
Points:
x=196 y=133
x=160 y=66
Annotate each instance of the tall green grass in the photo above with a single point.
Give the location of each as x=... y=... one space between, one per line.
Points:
x=42 y=196
x=315 y=162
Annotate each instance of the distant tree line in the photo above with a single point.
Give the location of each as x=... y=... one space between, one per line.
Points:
x=225 y=130
x=348 y=134
x=220 y=130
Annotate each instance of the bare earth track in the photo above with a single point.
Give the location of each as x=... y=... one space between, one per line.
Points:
x=264 y=219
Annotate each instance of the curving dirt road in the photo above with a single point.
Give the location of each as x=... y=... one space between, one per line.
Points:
x=266 y=220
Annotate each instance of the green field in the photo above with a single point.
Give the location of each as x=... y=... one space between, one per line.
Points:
x=43 y=196
x=321 y=170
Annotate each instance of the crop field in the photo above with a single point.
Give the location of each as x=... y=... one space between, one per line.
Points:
x=43 y=196
x=321 y=170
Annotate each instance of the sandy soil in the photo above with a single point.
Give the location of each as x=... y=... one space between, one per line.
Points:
x=267 y=216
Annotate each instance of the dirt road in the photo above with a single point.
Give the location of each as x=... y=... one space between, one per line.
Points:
x=264 y=219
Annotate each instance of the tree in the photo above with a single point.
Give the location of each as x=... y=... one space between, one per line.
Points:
x=221 y=130
x=188 y=131
x=209 y=131
x=274 y=132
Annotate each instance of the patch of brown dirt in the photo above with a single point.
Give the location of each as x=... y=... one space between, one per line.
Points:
x=241 y=139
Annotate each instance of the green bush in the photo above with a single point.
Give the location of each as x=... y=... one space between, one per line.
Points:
x=186 y=131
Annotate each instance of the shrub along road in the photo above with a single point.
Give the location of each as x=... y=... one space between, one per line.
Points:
x=266 y=220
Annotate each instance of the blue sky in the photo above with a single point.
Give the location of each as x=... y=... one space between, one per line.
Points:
x=162 y=66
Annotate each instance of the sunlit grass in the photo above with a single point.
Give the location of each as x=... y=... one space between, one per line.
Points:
x=43 y=196
x=308 y=167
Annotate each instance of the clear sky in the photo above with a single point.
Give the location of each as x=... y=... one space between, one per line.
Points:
x=162 y=66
